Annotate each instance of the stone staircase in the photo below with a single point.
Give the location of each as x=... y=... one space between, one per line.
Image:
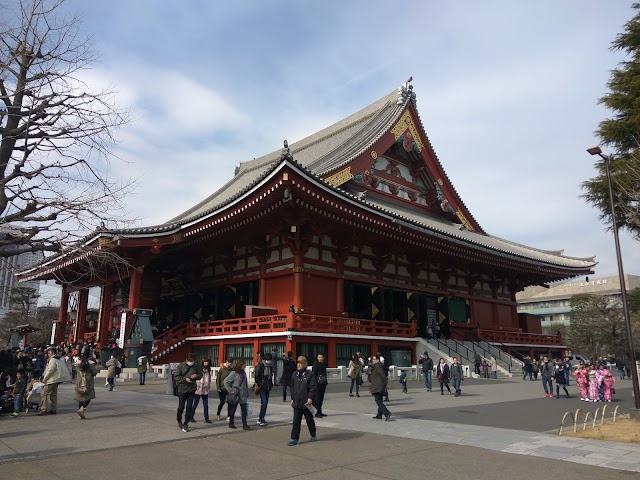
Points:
x=508 y=366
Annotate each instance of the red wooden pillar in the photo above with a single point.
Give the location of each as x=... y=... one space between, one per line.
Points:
x=262 y=284
x=135 y=289
x=331 y=353
x=81 y=316
x=340 y=288
x=222 y=357
x=62 y=317
x=104 y=319
x=298 y=278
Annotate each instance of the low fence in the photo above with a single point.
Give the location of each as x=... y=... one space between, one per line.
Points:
x=589 y=418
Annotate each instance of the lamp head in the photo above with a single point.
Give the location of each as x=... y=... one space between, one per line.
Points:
x=594 y=150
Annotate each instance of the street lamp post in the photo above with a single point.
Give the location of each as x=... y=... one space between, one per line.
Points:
x=634 y=413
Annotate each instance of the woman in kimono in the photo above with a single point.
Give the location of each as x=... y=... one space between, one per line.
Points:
x=593 y=383
x=582 y=381
x=600 y=377
x=607 y=384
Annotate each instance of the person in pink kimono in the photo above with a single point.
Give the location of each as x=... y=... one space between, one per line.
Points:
x=582 y=381
x=607 y=383
x=593 y=383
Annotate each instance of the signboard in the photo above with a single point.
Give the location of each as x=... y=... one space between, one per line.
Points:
x=123 y=329
x=54 y=327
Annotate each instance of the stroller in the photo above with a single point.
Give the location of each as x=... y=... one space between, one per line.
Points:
x=32 y=397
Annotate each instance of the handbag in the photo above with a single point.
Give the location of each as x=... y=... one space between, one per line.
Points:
x=613 y=391
x=233 y=396
x=256 y=389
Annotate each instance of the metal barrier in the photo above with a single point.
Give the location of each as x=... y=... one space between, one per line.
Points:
x=599 y=413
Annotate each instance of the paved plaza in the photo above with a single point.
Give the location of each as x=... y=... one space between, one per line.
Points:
x=498 y=429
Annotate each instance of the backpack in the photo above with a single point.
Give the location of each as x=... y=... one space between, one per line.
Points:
x=82 y=387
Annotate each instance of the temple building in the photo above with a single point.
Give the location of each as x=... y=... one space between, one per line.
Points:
x=352 y=239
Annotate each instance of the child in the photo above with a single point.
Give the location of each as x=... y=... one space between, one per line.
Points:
x=18 y=392
x=485 y=369
x=403 y=381
x=561 y=381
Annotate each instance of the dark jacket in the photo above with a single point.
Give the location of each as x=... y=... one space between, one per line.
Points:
x=20 y=386
x=183 y=372
x=263 y=375
x=303 y=387
x=456 y=372
x=288 y=367
x=547 y=370
x=427 y=364
x=222 y=374
x=443 y=373
x=378 y=378
x=319 y=372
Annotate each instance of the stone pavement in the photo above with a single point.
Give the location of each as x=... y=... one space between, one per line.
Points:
x=133 y=430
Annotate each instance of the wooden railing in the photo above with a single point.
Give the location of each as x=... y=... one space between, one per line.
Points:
x=514 y=336
x=354 y=326
x=281 y=323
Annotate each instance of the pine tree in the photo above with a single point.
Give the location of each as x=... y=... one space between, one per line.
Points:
x=620 y=134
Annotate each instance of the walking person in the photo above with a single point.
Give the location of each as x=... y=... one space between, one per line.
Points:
x=442 y=371
x=494 y=367
x=457 y=376
x=237 y=386
x=203 y=387
x=485 y=368
x=55 y=373
x=319 y=371
x=567 y=368
x=561 y=381
x=353 y=372
x=477 y=362
x=535 y=369
x=427 y=369
x=288 y=367
x=582 y=380
x=187 y=373
x=224 y=371
x=403 y=381
x=263 y=376
x=274 y=367
x=547 y=370
x=378 y=387
x=143 y=366
x=86 y=372
x=526 y=368
x=113 y=364
x=303 y=386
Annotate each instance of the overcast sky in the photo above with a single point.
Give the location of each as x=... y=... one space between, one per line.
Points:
x=507 y=92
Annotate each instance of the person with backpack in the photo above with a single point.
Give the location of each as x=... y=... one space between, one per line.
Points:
x=224 y=371
x=264 y=375
x=143 y=366
x=187 y=374
x=85 y=385
x=303 y=393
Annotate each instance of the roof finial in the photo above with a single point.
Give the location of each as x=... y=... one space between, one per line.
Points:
x=405 y=92
x=286 y=152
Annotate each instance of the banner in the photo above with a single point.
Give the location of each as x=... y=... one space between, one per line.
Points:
x=54 y=327
x=123 y=329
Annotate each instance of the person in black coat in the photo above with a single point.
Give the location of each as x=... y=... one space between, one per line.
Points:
x=288 y=367
x=319 y=372
x=379 y=386
x=443 y=376
x=303 y=392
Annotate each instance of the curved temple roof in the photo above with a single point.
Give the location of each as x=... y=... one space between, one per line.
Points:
x=328 y=150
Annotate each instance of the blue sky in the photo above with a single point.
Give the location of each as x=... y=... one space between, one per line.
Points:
x=507 y=92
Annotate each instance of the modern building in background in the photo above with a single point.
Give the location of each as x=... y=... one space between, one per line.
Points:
x=8 y=268
x=553 y=304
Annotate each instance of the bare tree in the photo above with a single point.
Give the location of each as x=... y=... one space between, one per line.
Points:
x=56 y=133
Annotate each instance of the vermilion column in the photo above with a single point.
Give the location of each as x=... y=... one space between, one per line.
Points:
x=262 y=285
x=135 y=289
x=340 y=289
x=298 y=278
x=62 y=317
x=103 y=329
x=81 y=316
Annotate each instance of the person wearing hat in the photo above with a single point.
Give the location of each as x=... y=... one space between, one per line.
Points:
x=303 y=391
